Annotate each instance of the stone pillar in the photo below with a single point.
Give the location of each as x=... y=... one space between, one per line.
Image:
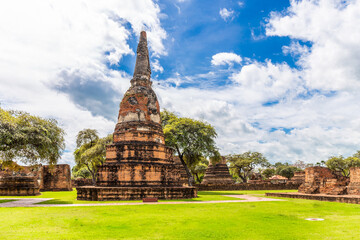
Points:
x=354 y=186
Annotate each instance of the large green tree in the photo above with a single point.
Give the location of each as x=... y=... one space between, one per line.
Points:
x=91 y=151
x=191 y=139
x=243 y=164
x=339 y=163
x=29 y=138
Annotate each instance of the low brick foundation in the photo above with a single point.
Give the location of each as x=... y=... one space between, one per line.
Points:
x=19 y=186
x=320 y=197
x=248 y=186
x=92 y=193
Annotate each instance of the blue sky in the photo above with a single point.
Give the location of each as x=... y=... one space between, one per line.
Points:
x=196 y=31
x=278 y=77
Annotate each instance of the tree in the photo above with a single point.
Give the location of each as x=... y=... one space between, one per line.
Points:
x=81 y=172
x=339 y=163
x=288 y=171
x=191 y=139
x=30 y=139
x=301 y=165
x=198 y=170
x=268 y=172
x=243 y=164
x=91 y=151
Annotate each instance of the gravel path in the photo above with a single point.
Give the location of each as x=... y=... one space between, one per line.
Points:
x=31 y=202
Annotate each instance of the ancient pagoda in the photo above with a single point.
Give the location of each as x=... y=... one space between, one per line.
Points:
x=138 y=164
x=218 y=174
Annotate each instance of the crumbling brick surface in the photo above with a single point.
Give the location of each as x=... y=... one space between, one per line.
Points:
x=19 y=186
x=298 y=178
x=264 y=185
x=56 y=178
x=323 y=180
x=217 y=174
x=354 y=185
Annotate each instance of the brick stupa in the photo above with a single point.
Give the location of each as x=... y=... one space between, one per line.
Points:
x=217 y=174
x=138 y=164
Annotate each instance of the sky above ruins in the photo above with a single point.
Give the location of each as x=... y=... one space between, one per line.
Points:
x=278 y=77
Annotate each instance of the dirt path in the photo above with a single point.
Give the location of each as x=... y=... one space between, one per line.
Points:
x=31 y=202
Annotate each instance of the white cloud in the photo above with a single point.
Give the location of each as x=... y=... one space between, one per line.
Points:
x=225 y=58
x=156 y=67
x=226 y=14
x=241 y=4
x=333 y=28
x=308 y=113
x=41 y=40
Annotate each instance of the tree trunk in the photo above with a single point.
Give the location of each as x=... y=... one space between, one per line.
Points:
x=197 y=177
x=243 y=178
x=188 y=173
x=93 y=176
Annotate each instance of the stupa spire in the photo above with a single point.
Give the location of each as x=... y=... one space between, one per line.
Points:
x=142 y=69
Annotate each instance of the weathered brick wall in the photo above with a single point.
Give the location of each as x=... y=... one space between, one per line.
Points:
x=247 y=186
x=323 y=180
x=81 y=182
x=299 y=177
x=218 y=174
x=354 y=186
x=19 y=186
x=56 y=178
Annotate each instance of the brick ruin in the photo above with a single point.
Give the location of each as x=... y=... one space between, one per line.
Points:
x=19 y=186
x=298 y=178
x=138 y=164
x=354 y=185
x=30 y=180
x=323 y=180
x=56 y=178
x=217 y=174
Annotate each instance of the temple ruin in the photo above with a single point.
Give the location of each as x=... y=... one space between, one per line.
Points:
x=56 y=178
x=323 y=180
x=138 y=164
x=354 y=185
x=217 y=174
x=30 y=180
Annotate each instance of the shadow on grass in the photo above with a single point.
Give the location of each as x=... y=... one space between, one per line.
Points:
x=56 y=201
x=7 y=200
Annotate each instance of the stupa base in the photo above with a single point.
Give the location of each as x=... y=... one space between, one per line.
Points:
x=93 y=193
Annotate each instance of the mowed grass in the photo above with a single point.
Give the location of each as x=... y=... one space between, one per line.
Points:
x=253 y=220
x=6 y=200
x=69 y=197
x=258 y=220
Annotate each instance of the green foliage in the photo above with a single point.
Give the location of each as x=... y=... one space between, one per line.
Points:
x=339 y=163
x=243 y=164
x=288 y=171
x=268 y=172
x=199 y=169
x=79 y=171
x=91 y=151
x=191 y=139
x=30 y=139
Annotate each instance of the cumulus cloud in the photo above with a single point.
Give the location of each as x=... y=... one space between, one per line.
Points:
x=225 y=58
x=156 y=66
x=307 y=113
x=333 y=29
x=226 y=14
x=55 y=57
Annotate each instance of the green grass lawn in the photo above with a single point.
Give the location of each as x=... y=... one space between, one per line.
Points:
x=257 y=220
x=70 y=197
x=6 y=200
